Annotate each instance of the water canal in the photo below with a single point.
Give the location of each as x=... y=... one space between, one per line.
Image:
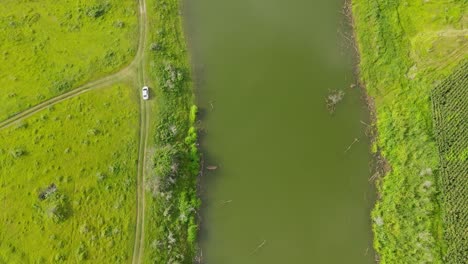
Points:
x=286 y=190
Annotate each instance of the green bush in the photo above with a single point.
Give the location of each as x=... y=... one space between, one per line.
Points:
x=57 y=207
x=18 y=152
x=97 y=10
x=82 y=252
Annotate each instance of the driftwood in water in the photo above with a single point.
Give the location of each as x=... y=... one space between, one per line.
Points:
x=211 y=168
x=374 y=176
x=199 y=257
x=258 y=247
x=211 y=104
x=355 y=140
x=333 y=98
x=364 y=123
x=224 y=202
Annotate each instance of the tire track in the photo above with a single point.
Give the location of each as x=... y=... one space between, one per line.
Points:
x=138 y=247
x=106 y=81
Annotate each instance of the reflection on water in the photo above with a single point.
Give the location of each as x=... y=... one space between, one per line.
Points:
x=288 y=188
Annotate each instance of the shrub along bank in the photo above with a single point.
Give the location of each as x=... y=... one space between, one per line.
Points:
x=171 y=225
x=406 y=48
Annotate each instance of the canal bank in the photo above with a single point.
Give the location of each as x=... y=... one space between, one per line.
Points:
x=292 y=183
x=407 y=49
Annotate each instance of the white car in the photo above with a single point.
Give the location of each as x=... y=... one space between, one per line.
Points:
x=145 y=93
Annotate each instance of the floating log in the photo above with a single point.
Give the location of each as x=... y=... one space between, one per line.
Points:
x=355 y=140
x=374 y=176
x=212 y=106
x=364 y=123
x=224 y=202
x=211 y=168
x=258 y=247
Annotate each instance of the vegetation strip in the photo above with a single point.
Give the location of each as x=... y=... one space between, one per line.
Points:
x=172 y=204
x=406 y=48
x=450 y=110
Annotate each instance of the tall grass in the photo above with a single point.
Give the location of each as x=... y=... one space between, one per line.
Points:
x=67 y=181
x=48 y=47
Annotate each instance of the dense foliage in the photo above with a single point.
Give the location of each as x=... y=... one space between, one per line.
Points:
x=450 y=101
x=172 y=224
x=406 y=48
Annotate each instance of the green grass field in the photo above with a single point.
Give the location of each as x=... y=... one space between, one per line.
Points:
x=87 y=147
x=406 y=49
x=171 y=224
x=49 y=47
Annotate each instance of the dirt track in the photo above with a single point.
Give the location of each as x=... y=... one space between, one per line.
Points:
x=144 y=129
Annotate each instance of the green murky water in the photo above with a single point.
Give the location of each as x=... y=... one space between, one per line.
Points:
x=263 y=70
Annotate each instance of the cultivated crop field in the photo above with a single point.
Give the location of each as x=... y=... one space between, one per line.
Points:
x=49 y=47
x=67 y=181
x=450 y=117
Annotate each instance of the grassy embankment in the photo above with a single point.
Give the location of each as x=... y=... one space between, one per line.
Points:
x=171 y=223
x=49 y=47
x=90 y=212
x=406 y=47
